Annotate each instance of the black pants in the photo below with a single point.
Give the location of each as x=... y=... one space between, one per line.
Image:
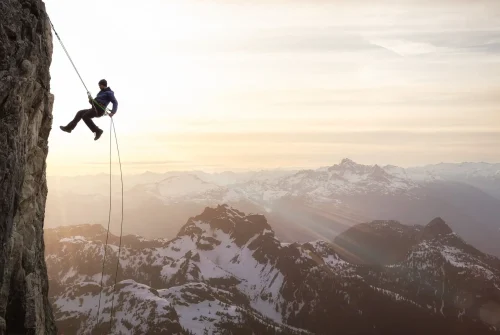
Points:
x=87 y=115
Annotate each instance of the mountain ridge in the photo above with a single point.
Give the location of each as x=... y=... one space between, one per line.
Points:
x=218 y=265
x=304 y=205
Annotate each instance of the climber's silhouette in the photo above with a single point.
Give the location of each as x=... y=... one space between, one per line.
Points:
x=101 y=101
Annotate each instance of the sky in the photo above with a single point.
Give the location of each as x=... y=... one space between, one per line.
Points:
x=232 y=85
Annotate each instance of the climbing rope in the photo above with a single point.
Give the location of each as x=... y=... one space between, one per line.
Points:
x=111 y=128
x=121 y=228
x=109 y=221
x=69 y=57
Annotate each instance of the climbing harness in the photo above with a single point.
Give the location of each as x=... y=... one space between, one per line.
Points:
x=111 y=128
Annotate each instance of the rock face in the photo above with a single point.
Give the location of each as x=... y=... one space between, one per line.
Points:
x=377 y=243
x=435 y=228
x=25 y=123
x=386 y=242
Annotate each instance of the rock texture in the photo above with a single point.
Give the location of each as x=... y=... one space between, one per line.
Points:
x=25 y=123
x=378 y=242
x=435 y=228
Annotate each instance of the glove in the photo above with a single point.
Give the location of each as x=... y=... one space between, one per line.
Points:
x=112 y=114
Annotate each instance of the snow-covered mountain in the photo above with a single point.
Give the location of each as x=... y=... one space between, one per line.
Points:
x=460 y=170
x=303 y=205
x=185 y=187
x=485 y=176
x=231 y=178
x=324 y=184
x=227 y=273
x=316 y=185
x=343 y=178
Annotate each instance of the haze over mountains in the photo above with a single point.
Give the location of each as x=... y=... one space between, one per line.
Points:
x=300 y=205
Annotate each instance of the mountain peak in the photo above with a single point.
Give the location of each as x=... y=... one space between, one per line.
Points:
x=379 y=173
x=379 y=242
x=349 y=165
x=230 y=221
x=347 y=162
x=435 y=228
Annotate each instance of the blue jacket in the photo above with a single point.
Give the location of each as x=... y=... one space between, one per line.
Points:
x=105 y=96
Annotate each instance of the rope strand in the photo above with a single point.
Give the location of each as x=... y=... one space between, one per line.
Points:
x=66 y=51
x=121 y=227
x=109 y=221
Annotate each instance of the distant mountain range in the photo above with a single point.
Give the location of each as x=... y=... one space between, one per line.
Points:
x=300 y=205
x=226 y=273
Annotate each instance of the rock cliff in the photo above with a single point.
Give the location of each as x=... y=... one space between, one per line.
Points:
x=25 y=123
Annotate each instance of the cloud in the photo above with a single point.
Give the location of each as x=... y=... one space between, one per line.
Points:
x=292 y=40
x=310 y=41
x=407 y=48
x=486 y=41
x=437 y=135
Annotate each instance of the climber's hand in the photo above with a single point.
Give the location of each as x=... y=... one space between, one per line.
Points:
x=111 y=114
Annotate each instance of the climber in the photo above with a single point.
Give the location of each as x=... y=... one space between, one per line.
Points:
x=99 y=104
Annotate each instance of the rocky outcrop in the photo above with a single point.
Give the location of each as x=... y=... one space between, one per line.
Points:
x=378 y=242
x=436 y=228
x=25 y=123
x=230 y=221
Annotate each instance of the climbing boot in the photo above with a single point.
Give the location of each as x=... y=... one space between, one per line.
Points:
x=66 y=129
x=98 y=134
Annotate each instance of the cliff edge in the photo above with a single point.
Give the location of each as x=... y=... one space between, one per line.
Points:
x=25 y=123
